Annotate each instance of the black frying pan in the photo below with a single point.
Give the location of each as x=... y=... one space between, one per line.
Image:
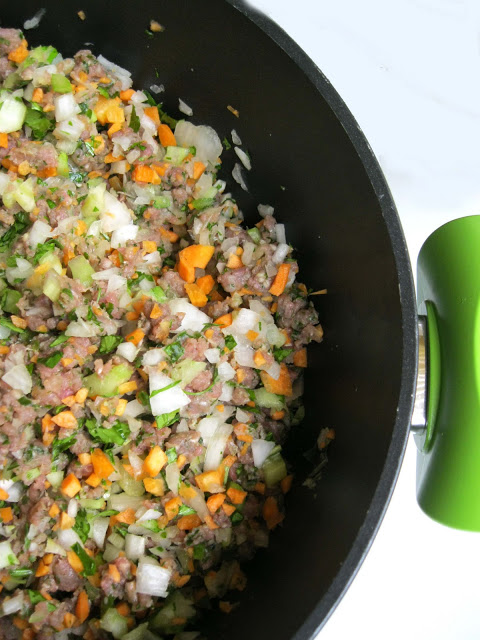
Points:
x=312 y=163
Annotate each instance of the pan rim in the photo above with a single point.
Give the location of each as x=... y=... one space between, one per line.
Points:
x=318 y=617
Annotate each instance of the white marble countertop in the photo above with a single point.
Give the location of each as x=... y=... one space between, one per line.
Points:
x=409 y=70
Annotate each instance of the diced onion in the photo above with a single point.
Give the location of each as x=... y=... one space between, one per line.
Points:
x=152 y=580
x=19 y=378
x=241 y=415
x=134 y=546
x=127 y=350
x=203 y=138
x=134 y=409
x=149 y=514
x=244 y=355
x=238 y=177
x=261 y=449
x=184 y=108
x=69 y=129
x=12 y=114
x=116 y=214
x=116 y=282
x=122 y=501
x=13 y=489
x=245 y=320
x=207 y=427
x=172 y=476
x=216 y=447
x=244 y=159
x=99 y=531
x=4 y=181
x=22 y=271
x=227 y=393
x=39 y=232
x=165 y=401
x=281 y=253
x=122 y=235
x=157 y=88
x=65 y=107
x=225 y=371
x=72 y=508
x=32 y=23
x=153 y=357
x=280 y=233
x=81 y=329
x=212 y=355
x=106 y=274
x=67 y=537
x=193 y=320
x=265 y=210
x=236 y=138
x=12 y=605
x=274 y=370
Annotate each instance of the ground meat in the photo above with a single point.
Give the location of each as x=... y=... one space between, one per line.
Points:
x=194 y=349
x=201 y=405
x=239 y=397
x=200 y=382
x=83 y=444
x=6 y=68
x=180 y=195
x=57 y=386
x=171 y=280
x=217 y=309
x=288 y=309
x=39 y=156
x=85 y=61
x=308 y=334
x=186 y=443
x=234 y=279
x=248 y=376
x=66 y=577
x=108 y=585
x=38 y=513
x=10 y=39
x=174 y=177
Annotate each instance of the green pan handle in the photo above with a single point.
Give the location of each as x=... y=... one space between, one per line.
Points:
x=448 y=292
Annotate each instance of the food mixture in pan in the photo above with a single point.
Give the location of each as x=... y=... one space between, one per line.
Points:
x=151 y=352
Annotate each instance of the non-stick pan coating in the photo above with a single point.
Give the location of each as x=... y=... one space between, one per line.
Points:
x=311 y=162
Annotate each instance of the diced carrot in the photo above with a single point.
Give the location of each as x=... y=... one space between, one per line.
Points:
x=225 y=463
x=186 y=523
x=181 y=461
x=142 y=173
x=47 y=423
x=132 y=315
x=126 y=517
x=48 y=558
x=155 y=486
x=215 y=501
x=121 y=406
x=160 y=167
x=54 y=511
x=198 y=169
x=281 y=279
x=211 y=481
x=126 y=95
x=206 y=284
x=210 y=522
x=66 y=522
x=252 y=335
x=20 y=623
x=19 y=54
x=65 y=420
x=241 y=431
x=81 y=395
x=172 y=507
x=186 y=271
x=113 y=129
x=278 y=415
x=21 y=323
x=216 y=296
x=69 y=401
x=48 y=172
x=220 y=407
x=69 y=619
x=70 y=486
x=6 y=514
x=127 y=387
x=152 y=113
x=108 y=110
x=37 y=95
x=282 y=386
x=4 y=140
x=156 y=312
x=93 y=480
x=234 y=261
x=259 y=359
x=155 y=461
x=240 y=373
x=114 y=573
x=74 y=561
x=224 y=321
x=82 y=607
x=286 y=483
x=187 y=492
x=196 y=295
x=228 y=508
x=300 y=358
x=109 y=158
x=136 y=336
x=198 y=255
x=102 y=465
x=42 y=569
x=259 y=488
x=237 y=496
x=271 y=513
x=149 y=246
x=165 y=134
x=170 y=235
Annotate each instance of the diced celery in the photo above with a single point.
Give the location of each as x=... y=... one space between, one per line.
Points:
x=24 y=195
x=53 y=262
x=10 y=300
x=90 y=503
x=175 y=155
x=268 y=400
x=108 y=385
x=254 y=234
x=187 y=370
x=61 y=84
x=7 y=556
x=114 y=622
x=94 y=202
x=158 y=294
x=32 y=474
x=43 y=54
x=81 y=270
x=12 y=114
x=52 y=286
x=55 y=478
x=94 y=182
x=162 y=202
x=274 y=469
x=131 y=486
x=63 y=169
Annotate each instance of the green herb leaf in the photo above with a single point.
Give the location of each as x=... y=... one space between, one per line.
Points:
x=117 y=434
x=58 y=446
x=60 y=340
x=230 y=342
x=185 y=510
x=21 y=572
x=109 y=343
x=166 y=419
x=134 y=120
x=151 y=525
x=9 y=325
x=226 y=144
x=158 y=294
x=35 y=596
x=81 y=526
x=171 y=455
x=51 y=361
x=88 y=564
x=103 y=92
x=199 y=551
x=38 y=123
x=280 y=354
x=20 y=224
x=174 y=351
x=169 y=386
x=45 y=248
